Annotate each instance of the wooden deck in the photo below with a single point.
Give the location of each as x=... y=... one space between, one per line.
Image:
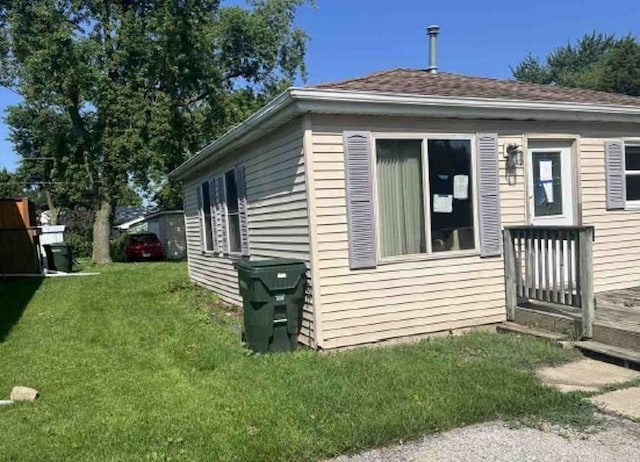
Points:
x=616 y=327
x=549 y=286
x=617 y=320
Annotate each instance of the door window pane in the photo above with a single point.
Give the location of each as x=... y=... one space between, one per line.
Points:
x=400 y=197
x=451 y=195
x=547 y=183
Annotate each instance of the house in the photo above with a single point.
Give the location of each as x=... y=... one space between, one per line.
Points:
x=168 y=225
x=124 y=216
x=398 y=189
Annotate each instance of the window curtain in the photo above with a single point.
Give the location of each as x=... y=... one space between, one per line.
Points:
x=400 y=197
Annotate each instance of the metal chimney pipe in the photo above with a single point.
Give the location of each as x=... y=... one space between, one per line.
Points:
x=432 y=32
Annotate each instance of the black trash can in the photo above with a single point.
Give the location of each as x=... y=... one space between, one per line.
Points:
x=273 y=293
x=59 y=257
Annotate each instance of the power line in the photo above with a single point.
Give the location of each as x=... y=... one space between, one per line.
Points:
x=40 y=182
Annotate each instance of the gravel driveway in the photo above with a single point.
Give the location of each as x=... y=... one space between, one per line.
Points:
x=618 y=440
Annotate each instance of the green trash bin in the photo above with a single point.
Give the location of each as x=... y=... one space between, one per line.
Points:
x=273 y=293
x=59 y=257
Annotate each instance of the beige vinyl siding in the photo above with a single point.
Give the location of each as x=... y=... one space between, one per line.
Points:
x=276 y=213
x=403 y=298
x=616 y=250
x=422 y=296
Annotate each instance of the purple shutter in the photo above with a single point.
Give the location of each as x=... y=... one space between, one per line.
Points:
x=242 y=209
x=359 y=191
x=614 y=167
x=489 y=195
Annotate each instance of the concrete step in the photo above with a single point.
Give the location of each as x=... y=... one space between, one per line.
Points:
x=513 y=328
x=540 y=317
x=629 y=358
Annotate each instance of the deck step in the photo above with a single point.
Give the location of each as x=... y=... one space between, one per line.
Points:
x=542 y=318
x=512 y=327
x=622 y=354
x=614 y=336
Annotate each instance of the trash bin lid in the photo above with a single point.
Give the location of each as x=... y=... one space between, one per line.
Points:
x=58 y=244
x=275 y=274
x=272 y=262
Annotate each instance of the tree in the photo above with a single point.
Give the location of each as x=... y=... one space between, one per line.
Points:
x=597 y=62
x=40 y=136
x=11 y=186
x=621 y=69
x=138 y=85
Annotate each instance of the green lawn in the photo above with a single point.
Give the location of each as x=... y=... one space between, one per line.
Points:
x=130 y=366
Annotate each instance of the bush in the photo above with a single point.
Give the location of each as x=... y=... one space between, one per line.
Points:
x=117 y=247
x=78 y=231
x=81 y=243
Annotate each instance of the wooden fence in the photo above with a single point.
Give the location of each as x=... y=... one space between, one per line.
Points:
x=18 y=238
x=550 y=264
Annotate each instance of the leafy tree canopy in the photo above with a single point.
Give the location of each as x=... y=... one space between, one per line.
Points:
x=11 y=185
x=597 y=62
x=118 y=92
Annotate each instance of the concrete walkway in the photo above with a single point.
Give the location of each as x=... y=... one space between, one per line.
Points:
x=591 y=376
x=586 y=375
x=625 y=403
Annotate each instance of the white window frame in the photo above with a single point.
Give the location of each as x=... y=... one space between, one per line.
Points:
x=203 y=216
x=634 y=204
x=227 y=215
x=424 y=138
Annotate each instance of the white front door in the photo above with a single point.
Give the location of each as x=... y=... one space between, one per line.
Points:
x=551 y=203
x=550 y=177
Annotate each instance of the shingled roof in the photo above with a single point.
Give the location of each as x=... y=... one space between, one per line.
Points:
x=422 y=82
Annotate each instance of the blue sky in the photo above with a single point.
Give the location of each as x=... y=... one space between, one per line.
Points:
x=350 y=38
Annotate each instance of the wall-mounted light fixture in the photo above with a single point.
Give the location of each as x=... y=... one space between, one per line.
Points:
x=514 y=158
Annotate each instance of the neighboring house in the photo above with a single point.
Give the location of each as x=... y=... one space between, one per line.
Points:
x=128 y=214
x=394 y=188
x=168 y=226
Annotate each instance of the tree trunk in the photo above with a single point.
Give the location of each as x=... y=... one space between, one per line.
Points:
x=102 y=232
x=54 y=212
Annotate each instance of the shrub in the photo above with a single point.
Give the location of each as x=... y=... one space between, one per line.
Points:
x=117 y=247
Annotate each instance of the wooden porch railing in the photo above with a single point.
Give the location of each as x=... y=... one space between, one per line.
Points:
x=550 y=264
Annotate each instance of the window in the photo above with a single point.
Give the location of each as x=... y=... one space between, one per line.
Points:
x=400 y=197
x=233 y=211
x=450 y=193
x=547 y=181
x=632 y=172
x=417 y=216
x=207 y=227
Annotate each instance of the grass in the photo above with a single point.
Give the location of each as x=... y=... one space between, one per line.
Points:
x=136 y=364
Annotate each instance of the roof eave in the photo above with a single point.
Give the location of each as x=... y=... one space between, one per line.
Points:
x=350 y=102
x=295 y=101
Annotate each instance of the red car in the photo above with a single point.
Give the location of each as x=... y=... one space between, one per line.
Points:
x=144 y=246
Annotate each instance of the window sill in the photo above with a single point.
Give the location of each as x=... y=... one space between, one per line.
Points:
x=632 y=207
x=213 y=253
x=229 y=255
x=429 y=257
